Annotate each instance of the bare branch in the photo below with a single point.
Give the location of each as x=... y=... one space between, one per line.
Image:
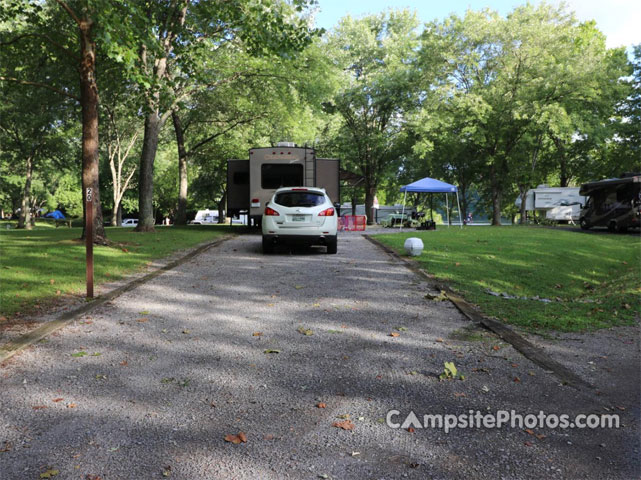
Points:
x=46 y=38
x=71 y=13
x=41 y=85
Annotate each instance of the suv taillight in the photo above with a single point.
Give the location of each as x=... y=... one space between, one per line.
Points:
x=271 y=212
x=327 y=213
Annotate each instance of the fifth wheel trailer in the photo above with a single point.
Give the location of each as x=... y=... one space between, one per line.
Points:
x=558 y=203
x=252 y=182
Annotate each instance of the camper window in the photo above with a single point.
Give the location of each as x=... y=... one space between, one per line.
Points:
x=275 y=175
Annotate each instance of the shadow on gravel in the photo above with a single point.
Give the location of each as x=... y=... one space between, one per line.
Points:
x=171 y=369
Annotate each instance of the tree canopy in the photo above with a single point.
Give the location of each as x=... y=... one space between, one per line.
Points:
x=495 y=104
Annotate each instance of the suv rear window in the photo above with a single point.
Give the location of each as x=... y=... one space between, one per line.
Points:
x=299 y=199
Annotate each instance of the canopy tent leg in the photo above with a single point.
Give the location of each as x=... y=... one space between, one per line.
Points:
x=460 y=220
x=447 y=210
x=403 y=214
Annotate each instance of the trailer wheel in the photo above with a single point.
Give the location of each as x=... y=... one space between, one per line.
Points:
x=268 y=246
x=585 y=225
x=332 y=245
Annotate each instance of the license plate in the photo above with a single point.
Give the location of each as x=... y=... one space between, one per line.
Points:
x=298 y=218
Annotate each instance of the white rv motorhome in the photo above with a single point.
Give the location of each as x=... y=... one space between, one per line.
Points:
x=559 y=204
x=252 y=182
x=205 y=216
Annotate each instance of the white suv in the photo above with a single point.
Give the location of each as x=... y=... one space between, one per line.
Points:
x=299 y=215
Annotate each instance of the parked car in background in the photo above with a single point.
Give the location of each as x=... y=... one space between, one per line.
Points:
x=129 y=222
x=302 y=215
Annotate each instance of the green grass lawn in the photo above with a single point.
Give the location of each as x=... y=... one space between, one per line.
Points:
x=40 y=266
x=594 y=281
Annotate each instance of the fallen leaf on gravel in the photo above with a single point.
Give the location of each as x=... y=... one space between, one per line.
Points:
x=92 y=477
x=316 y=305
x=517 y=379
x=496 y=348
x=345 y=425
x=411 y=429
x=270 y=304
x=269 y=436
x=49 y=473
x=6 y=447
x=71 y=405
x=236 y=439
x=298 y=287
x=58 y=399
x=527 y=444
x=529 y=431
x=124 y=363
x=96 y=354
x=515 y=365
x=439 y=340
x=394 y=334
x=144 y=312
x=305 y=331
x=401 y=329
x=38 y=407
x=257 y=334
x=79 y=354
x=344 y=416
x=142 y=320
x=321 y=405
x=166 y=471
x=621 y=408
x=186 y=331
x=270 y=350
x=457 y=394
x=540 y=436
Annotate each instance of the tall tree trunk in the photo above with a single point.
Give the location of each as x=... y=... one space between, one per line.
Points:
x=523 y=193
x=181 y=213
x=370 y=193
x=496 y=196
x=89 y=103
x=24 y=220
x=221 y=207
x=146 y=219
x=114 y=216
x=119 y=217
x=564 y=175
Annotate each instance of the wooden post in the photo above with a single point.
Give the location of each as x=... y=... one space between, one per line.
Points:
x=89 y=239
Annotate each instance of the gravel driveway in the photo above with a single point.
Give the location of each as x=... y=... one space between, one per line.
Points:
x=173 y=367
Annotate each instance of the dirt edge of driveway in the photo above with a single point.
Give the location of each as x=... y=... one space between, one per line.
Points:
x=12 y=347
x=525 y=347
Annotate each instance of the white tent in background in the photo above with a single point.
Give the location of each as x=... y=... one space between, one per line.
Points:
x=431 y=185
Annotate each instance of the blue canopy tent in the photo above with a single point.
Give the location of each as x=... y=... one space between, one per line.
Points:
x=56 y=214
x=431 y=185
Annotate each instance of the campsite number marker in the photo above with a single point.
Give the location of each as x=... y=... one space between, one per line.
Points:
x=89 y=239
